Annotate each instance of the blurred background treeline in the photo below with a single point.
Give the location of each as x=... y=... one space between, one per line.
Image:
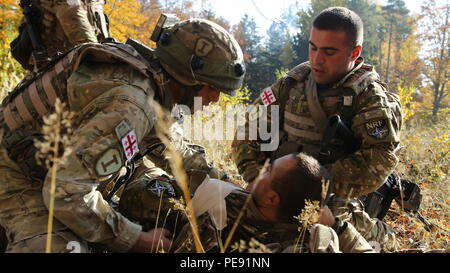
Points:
x=409 y=51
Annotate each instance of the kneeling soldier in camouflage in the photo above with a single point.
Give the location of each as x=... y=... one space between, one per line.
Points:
x=335 y=83
x=108 y=87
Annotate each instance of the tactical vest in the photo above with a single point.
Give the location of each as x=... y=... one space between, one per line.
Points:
x=22 y=111
x=301 y=131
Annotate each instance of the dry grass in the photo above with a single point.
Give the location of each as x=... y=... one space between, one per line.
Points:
x=424 y=159
x=52 y=150
x=163 y=132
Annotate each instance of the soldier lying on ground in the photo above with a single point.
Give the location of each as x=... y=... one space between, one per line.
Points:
x=268 y=217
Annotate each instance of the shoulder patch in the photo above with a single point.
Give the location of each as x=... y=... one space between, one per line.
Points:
x=377 y=129
x=128 y=138
x=267 y=96
x=158 y=187
x=123 y=128
x=130 y=144
x=109 y=163
x=361 y=79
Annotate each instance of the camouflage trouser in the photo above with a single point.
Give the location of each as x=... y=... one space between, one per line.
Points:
x=62 y=242
x=23 y=214
x=377 y=233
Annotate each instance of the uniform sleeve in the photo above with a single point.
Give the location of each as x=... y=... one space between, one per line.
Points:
x=97 y=154
x=246 y=152
x=74 y=19
x=350 y=241
x=377 y=124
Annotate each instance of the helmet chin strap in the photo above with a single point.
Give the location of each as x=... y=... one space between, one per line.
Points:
x=191 y=93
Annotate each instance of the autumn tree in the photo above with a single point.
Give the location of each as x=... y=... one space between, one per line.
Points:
x=370 y=14
x=208 y=13
x=397 y=29
x=10 y=71
x=183 y=9
x=247 y=35
x=435 y=35
x=127 y=20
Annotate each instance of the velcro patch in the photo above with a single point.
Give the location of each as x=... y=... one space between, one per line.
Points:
x=267 y=96
x=203 y=47
x=130 y=144
x=377 y=129
x=123 y=128
x=109 y=163
x=159 y=187
x=348 y=100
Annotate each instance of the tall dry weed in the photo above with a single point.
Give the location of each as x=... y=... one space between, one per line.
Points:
x=163 y=121
x=52 y=150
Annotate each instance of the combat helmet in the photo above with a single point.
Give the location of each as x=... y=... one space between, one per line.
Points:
x=199 y=52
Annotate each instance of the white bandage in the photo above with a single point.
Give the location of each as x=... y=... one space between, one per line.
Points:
x=210 y=197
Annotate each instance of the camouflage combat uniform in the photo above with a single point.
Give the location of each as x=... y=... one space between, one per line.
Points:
x=68 y=23
x=147 y=197
x=108 y=87
x=362 y=101
x=63 y=24
x=277 y=237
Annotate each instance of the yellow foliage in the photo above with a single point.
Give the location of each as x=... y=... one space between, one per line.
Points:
x=406 y=98
x=10 y=14
x=242 y=96
x=128 y=18
x=10 y=71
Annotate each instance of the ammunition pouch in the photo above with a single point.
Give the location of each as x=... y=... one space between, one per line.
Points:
x=20 y=146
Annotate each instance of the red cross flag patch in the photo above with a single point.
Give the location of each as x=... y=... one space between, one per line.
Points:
x=130 y=144
x=267 y=96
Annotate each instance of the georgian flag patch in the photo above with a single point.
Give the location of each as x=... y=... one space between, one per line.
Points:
x=130 y=144
x=267 y=96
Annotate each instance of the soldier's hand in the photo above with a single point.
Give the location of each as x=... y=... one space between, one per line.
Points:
x=326 y=217
x=153 y=240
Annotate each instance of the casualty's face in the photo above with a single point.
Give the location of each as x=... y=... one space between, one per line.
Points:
x=329 y=55
x=278 y=167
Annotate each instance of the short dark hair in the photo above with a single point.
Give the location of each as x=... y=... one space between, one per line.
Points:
x=343 y=19
x=298 y=184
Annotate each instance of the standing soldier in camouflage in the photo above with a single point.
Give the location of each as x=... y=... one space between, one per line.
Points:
x=59 y=25
x=335 y=81
x=108 y=87
x=268 y=214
